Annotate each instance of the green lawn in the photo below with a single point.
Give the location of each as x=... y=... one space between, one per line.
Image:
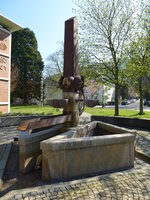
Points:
x=122 y=112
x=34 y=109
x=45 y=110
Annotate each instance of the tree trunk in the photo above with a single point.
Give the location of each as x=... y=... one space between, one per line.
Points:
x=116 y=100
x=141 y=97
x=25 y=99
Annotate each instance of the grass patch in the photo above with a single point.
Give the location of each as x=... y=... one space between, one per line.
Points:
x=34 y=110
x=111 y=111
x=47 y=110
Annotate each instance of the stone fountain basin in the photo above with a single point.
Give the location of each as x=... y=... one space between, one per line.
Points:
x=95 y=148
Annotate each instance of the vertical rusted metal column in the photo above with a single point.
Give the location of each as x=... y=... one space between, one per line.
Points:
x=71 y=82
x=71 y=48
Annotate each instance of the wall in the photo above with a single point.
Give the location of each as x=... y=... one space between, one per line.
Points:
x=5 y=52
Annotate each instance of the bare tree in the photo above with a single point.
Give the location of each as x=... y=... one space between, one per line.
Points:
x=54 y=63
x=52 y=72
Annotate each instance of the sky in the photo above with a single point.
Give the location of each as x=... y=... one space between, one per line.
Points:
x=44 y=17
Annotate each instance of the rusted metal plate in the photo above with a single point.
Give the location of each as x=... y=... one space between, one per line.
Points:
x=23 y=125
x=57 y=103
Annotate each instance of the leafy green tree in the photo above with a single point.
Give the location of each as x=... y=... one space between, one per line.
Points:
x=124 y=91
x=105 y=31
x=147 y=90
x=138 y=65
x=28 y=61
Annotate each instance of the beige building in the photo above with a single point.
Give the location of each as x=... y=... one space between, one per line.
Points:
x=104 y=94
x=6 y=28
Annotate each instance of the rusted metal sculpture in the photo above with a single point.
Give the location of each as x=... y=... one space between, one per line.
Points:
x=71 y=80
x=71 y=83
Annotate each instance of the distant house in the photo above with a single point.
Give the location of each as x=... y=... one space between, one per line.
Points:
x=104 y=94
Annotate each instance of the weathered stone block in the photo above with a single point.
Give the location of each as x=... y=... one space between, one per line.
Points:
x=65 y=157
x=29 y=147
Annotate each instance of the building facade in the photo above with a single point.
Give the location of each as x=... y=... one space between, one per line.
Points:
x=6 y=29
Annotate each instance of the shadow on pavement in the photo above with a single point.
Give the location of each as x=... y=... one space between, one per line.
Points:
x=13 y=179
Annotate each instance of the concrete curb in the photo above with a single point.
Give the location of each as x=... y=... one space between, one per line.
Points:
x=16 y=120
x=142 y=156
x=124 y=121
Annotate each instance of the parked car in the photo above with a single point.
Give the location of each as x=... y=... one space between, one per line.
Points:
x=124 y=102
x=110 y=103
x=146 y=102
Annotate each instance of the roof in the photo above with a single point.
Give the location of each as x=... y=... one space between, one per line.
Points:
x=8 y=24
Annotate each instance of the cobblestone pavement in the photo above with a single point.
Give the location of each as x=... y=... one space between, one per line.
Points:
x=143 y=142
x=8 y=133
x=128 y=185
x=133 y=184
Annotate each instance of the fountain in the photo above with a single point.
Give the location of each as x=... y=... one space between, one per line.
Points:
x=69 y=150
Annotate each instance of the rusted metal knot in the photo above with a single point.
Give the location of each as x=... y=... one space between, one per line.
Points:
x=71 y=83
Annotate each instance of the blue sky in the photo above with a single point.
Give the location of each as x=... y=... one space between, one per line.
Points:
x=45 y=17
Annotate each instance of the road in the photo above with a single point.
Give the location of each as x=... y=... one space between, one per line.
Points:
x=132 y=106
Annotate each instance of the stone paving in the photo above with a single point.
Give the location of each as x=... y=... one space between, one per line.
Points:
x=143 y=142
x=128 y=185
x=8 y=133
x=4 y=153
x=131 y=184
